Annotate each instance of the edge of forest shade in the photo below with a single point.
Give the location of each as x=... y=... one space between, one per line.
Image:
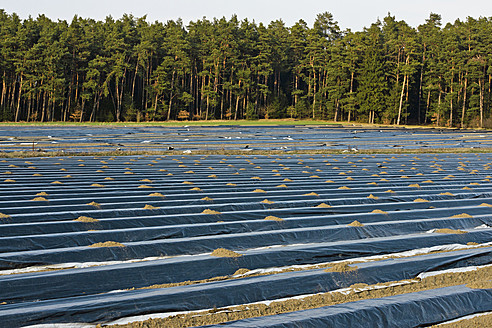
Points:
x=281 y=122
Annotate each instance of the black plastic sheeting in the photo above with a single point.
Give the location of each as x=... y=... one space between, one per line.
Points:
x=110 y=306
x=283 y=234
x=90 y=138
x=330 y=250
x=94 y=280
x=407 y=310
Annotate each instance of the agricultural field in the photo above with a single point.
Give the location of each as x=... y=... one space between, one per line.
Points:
x=309 y=138
x=251 y=239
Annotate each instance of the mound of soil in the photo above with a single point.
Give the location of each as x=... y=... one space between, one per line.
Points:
x=222 y=252
x=86 y=219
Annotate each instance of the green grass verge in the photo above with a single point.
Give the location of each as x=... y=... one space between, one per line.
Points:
x=180 y=123
x=25 y=154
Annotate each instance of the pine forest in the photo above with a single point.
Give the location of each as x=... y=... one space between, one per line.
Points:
x=229 y=69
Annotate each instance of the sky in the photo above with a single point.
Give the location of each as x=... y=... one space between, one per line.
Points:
x=353 y=14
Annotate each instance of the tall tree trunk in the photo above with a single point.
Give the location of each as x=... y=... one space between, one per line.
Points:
x=170 y=97
x=439 y=107
x=451 y=108
x=4 y=90
x=401 y=99
x=480 y=86
x=19 y=99
x=427 y=106
x=237 y=102
x=43 y=112
x=351 y=94
x=336 y=109
x=314 y=91
x=464 y=105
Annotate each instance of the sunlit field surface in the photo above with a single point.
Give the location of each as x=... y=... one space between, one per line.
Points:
x=250 y=240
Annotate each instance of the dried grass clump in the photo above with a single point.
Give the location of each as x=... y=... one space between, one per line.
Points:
x=420 y=200
x=372 y=183
x=259 y=190
x=128 y=172
x=414 y=185
x=108 y=244
x=282 y=186
x=344 y=188
x=462 y=216
x=209 y=211
x=311 y=194
x=341 y=267
x=208 y=199
x=273 y=218
x=94 y=204
x=212 y=176
x=266 y=201
x=371 y=196
x=467 y=188
x=287 y=180
x=37 y=175
x=240 y=272
x=428 y=181
x=145 y=186
x=39 y=199
x=187 y=182
x=231 y=184
x=222 y=252
x=4 y=216
x=156 y=194
x=190 y=172
x=97 y=185
x=146 y=180
x=391 y=191
x=485 y=204
x=450 y=231
x=255 y=178
x=379 y=211
x=150 y=207
x=323 y=205
x=9 y=180
x=86 y=219
x=446 y=194
x=42 y=194
x=356 y=224
x=484 y=284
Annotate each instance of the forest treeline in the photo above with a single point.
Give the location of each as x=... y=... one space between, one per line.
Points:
x=133 y=70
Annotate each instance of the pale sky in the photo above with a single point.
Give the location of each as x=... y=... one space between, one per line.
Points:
x=353 y=14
